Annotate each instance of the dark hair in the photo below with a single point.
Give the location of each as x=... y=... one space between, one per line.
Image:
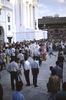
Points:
x=12 y=58
x=51 y=67
x=19 y=85
x=64 y=86
x=53 y=71
x=17 y=59
x=20 y=51
x=57 y=62
x=34 y=57
x=25 y=58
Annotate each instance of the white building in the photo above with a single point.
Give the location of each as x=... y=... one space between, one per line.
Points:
x=19 y=20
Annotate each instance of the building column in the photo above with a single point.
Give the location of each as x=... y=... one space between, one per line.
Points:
x=31 y=16
x=36 y=17
x=14 y=23
x=24 y=14
x=20 y=11
x=28 y=15
x=0 y=2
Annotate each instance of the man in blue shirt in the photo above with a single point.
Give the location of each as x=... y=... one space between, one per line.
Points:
x=35 y=70
x=58 y=70
x=17 y=95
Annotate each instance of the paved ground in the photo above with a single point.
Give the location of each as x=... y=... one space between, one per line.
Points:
x=31 y=92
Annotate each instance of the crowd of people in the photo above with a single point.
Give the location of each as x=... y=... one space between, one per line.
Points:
x=14 y=58
x=56 y=77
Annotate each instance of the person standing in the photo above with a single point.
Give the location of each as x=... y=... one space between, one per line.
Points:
x=17 y=95
x=21 y=57
x=27 y=68
x=4 y=58
x=37 y=54
x=61 y=60
x=50 y=51
x=1 y=61
x=13 y=69
x=35 y=70
x=12 y=51
x=61 y=95
x=1 y=92
x=58 y=70
x=53 y=85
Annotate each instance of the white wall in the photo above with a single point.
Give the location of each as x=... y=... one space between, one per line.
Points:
x=19 y=29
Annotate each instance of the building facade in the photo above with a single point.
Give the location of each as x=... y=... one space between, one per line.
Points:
x=55 y=26
x=18 y=20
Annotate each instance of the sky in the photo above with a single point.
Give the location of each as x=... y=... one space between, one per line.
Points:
x=51 y=8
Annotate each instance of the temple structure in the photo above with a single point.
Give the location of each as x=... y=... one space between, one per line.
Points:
x=55 y=26
x=19 y=20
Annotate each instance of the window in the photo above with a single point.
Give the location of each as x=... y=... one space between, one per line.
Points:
x=9 y=27
x=8 y=19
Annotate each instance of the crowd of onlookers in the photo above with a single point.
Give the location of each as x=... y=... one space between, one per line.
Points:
x=56 y=77
x=14 y=58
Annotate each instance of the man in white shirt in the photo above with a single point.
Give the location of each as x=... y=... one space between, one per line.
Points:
x=27 y=71
x=12 y=52
x=21 y=57
x=13 y=69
